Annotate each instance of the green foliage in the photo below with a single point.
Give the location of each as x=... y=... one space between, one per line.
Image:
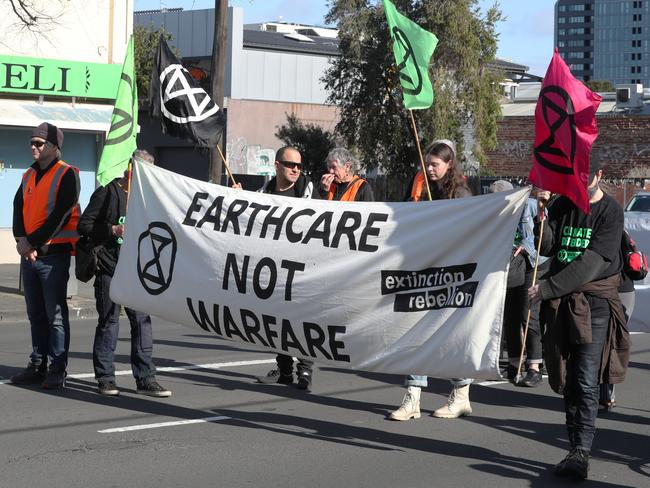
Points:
x=364 y=81
x=600 y=85
x=312 y=141
x=146 y=45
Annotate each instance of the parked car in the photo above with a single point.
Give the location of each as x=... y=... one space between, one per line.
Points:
x=639 y=202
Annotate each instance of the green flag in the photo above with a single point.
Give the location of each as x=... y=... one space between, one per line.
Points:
x=413 y=47
x=120 y=142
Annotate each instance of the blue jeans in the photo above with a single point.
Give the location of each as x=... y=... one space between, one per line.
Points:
x=421 y=381
x=582 y=392
x=46 y=285
x=108 y=327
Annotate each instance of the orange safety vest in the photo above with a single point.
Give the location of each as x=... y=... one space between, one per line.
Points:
x=418 y=184
x=350 y=194
x=39 y=199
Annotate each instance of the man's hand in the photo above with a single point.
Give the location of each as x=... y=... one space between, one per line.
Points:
x=23 y=246
x=534 y=295
x=118 y=230
x=30 y=255
x=543 y=197
x=236 y=186
x=326 y=181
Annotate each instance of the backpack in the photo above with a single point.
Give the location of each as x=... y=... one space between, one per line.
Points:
x=85 y=264
x=635 y=263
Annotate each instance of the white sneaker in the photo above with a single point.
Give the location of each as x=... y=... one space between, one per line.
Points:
x=457 y=404
x=410 y=407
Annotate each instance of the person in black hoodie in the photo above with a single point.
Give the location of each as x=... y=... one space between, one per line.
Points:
x=103 y=222
x=289 y=182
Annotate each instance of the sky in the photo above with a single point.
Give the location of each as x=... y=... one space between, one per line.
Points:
x=525 y=37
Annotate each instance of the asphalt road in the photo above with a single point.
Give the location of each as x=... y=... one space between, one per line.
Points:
x=220 y=429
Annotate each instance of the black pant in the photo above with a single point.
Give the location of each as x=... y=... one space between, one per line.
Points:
x=108 y=326
x=582 y=391
x=514 y=320
x=285 y=365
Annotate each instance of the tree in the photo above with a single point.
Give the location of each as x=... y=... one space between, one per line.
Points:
x=364 y=81
x=600 y=85
x=146 y=45
x=312 y=141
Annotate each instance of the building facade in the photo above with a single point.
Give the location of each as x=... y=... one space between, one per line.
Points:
x=605 y=39
x=272 y=70
x=65 y=70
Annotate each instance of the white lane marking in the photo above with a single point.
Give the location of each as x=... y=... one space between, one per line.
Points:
x=163 y=424
x=173 y=369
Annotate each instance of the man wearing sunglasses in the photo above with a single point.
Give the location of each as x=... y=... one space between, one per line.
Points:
x=46 y=211
x=289 y=182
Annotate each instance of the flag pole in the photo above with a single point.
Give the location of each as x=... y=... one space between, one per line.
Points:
x=128 y=183
x=539 y=246
x=417 y=142
x=226 y=165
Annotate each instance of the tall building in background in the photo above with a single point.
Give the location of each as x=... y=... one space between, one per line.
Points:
x=605 y=39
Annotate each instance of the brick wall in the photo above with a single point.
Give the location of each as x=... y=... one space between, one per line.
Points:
x=623 y=144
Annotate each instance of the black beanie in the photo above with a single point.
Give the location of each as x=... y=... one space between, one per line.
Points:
x=51 y=133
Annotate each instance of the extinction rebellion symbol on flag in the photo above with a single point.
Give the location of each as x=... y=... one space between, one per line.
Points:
x=431 y=288
x=175 y=87
x=156 y=257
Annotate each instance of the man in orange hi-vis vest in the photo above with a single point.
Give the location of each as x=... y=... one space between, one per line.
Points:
x=46 y=211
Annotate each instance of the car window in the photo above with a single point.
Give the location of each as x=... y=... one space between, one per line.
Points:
x=639 y=204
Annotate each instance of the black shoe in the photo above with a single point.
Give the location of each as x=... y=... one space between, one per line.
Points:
x=575 y=465
x=532 y=378
x=511 y=373
x=54 y=380
x=275 y=376
x=31 y=375
x=607 y=406
x=152 y=388
x=304 y=380
x=108 y=388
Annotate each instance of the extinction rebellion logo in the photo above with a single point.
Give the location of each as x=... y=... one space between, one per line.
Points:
x=430 y=288
x=156 y=256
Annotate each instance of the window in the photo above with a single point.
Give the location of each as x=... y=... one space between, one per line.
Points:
x=632 y=69
x=638 y=69
x=562 y=32
x=576 y=20
x=561 y=20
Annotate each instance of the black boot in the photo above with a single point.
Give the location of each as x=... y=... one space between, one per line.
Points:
x=575 y=464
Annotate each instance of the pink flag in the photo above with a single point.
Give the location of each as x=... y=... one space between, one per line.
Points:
x=565 y=129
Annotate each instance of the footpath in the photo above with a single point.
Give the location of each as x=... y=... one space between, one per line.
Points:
x=12 y=301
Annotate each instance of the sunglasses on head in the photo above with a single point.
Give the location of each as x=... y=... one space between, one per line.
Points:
x=37 y=143
x=290 y=164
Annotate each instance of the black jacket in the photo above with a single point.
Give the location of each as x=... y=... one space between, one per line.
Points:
x=107 y=204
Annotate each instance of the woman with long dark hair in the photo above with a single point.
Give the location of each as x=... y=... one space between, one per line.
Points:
x=446 y=181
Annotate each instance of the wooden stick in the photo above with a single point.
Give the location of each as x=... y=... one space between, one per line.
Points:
x=226 y=165
x=128 y=183
x=417 y=142
x=539 y=246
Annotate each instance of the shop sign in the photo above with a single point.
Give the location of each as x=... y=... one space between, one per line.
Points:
x=38 y=76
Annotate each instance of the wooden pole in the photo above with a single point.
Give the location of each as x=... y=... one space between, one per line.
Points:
x=539 y=246
x=417 y=142
x=225 y=165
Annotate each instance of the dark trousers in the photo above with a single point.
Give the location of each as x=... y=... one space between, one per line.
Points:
x=285 y=365
x=108 y=326
x=46 y=284
x=514 y=320
x=582 y=390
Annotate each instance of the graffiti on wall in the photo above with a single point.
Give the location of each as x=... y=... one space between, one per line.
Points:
x=632 y=160
x=250 y=159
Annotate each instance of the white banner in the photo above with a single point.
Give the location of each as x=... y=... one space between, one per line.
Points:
x=392 y=287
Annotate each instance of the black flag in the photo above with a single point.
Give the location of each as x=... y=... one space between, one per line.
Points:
x=185 y=110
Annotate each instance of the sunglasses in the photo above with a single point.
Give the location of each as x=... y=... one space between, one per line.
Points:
x=37 y=143
x=290 y=164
